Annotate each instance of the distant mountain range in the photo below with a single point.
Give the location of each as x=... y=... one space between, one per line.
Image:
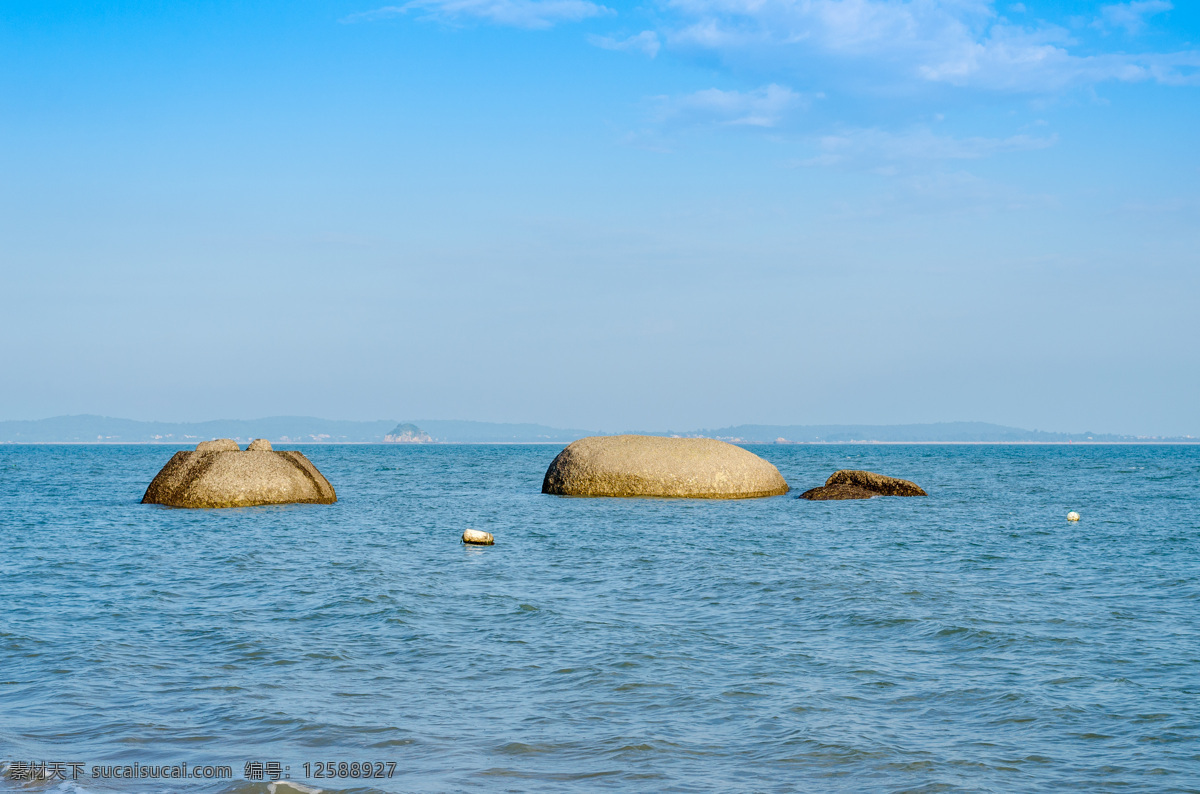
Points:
x=311 y=430
x=944 y=432
x=284 y=429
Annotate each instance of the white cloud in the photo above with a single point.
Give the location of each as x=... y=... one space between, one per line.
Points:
x=1131 y=16
x=516 y=13
x=1016 y=60
x=645 y=42
x=762 y=107
x=960 y=42
x=964 y=43
x=845 y=26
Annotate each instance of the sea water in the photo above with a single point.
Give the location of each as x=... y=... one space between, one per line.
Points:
x=973 y=640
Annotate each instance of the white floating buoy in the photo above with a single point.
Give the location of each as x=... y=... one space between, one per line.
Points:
x=1072 y=516
x=291 y=787
x=478 y=537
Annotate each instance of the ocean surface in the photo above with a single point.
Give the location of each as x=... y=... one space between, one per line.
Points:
x=973 y=640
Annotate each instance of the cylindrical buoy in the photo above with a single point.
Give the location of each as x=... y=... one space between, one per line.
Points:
x=1072 y=516
x=478 y=537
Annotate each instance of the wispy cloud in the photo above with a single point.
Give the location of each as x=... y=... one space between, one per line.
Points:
x=1131 y=16
x=1013 y=59
x=965 y=42
x=645 y=42
x=535 y=14
x=762 y=107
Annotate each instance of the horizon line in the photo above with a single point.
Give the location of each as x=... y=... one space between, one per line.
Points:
x=604 y=432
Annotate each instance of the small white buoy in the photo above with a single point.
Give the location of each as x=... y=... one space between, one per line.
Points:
x=478 y=537
x=1072 y=516
x=291 y=787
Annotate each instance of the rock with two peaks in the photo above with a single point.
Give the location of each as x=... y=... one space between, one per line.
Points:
x=219 y=474
x=850 y=484
x=702 y=468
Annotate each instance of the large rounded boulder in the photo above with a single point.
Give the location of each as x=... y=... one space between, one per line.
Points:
x=220 y=474
x=698 y=468
x=852 y=484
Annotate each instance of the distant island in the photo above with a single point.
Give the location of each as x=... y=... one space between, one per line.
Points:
x=312 y=430
x=407 y=433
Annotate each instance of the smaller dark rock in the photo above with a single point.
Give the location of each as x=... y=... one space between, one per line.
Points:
x=850 y=484
x=826 y=492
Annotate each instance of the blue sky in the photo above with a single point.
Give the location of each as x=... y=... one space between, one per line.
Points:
x=676 y=214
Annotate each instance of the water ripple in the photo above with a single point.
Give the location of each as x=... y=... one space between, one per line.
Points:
x=971 y=641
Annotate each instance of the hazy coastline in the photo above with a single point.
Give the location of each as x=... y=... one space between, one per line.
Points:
x=87 y=429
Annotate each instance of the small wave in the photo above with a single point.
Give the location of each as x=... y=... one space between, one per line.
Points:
x=277 y=787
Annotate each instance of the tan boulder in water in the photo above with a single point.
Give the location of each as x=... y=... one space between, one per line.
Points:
x=701 y=468
x=219 y=474
x=852 y=484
